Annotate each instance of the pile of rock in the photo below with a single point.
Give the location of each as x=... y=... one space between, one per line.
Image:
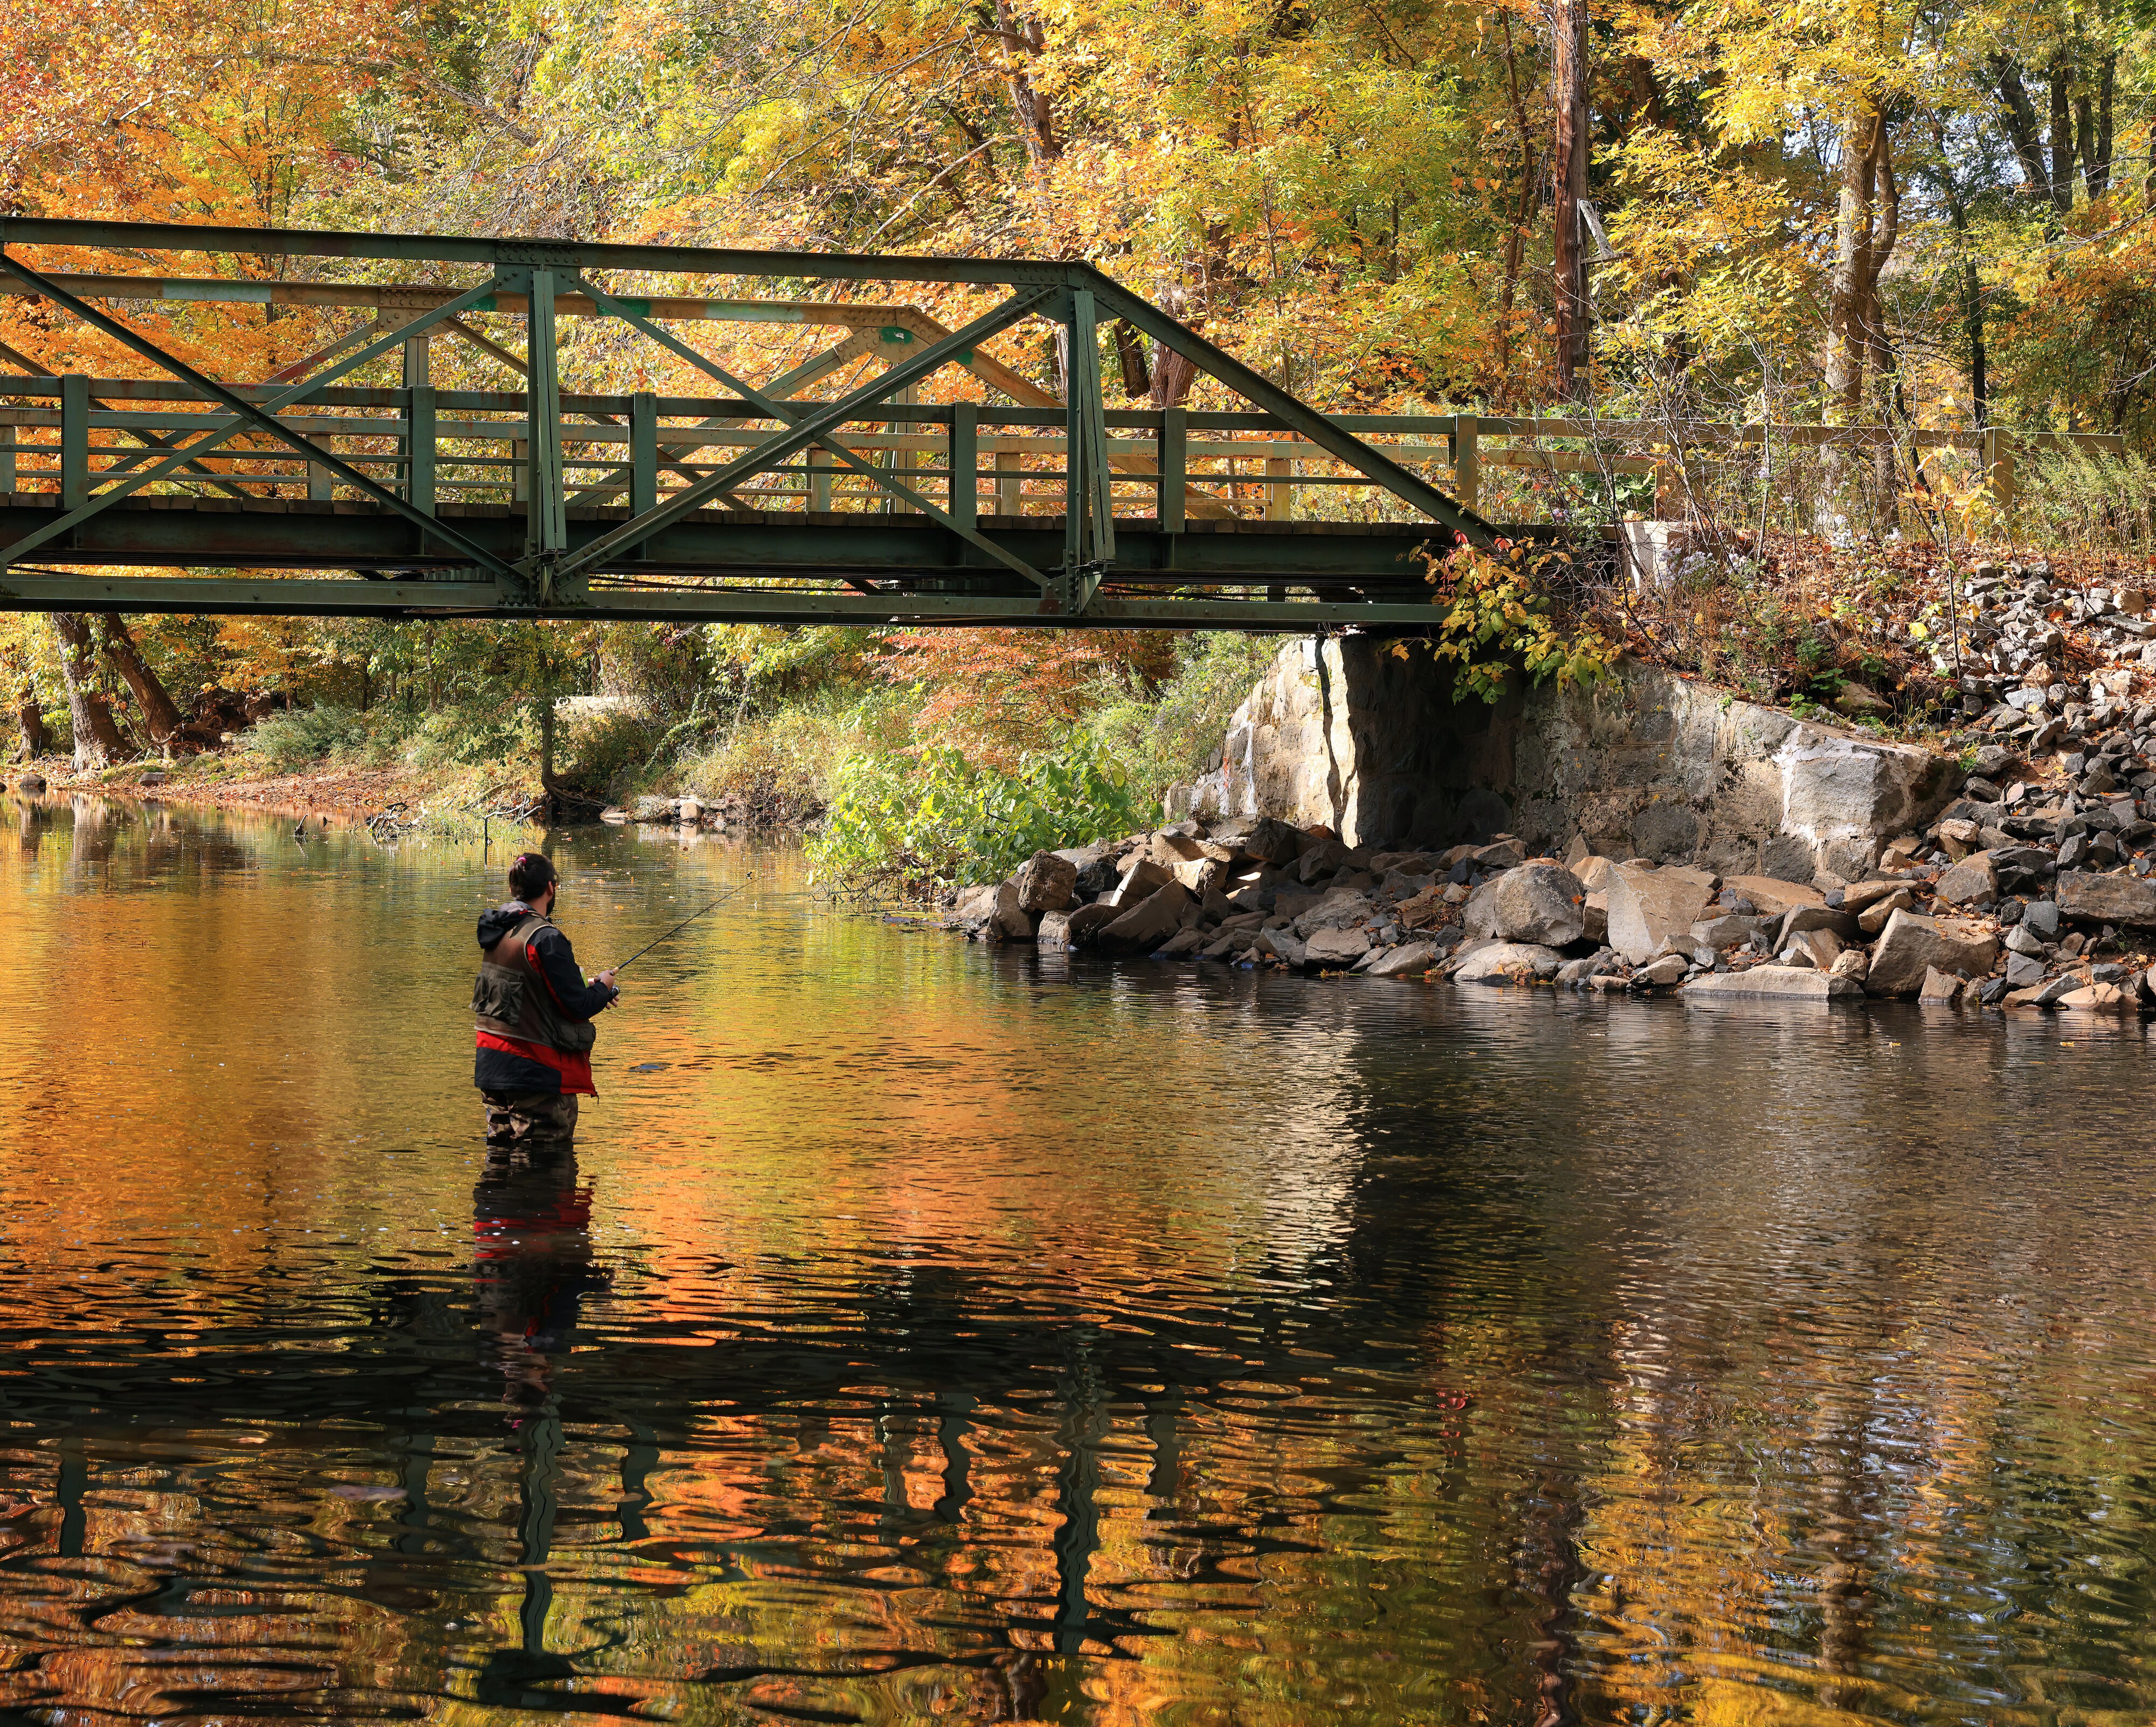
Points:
x=1251 y=893
x=2048 y=657
x=732 y=810
x=1947 y=916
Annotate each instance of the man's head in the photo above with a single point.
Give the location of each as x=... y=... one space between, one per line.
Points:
x=532 y=879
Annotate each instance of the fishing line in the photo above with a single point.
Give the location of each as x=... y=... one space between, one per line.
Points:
x=686 y=922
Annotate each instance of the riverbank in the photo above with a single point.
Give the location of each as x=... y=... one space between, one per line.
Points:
x=1655 y=833
x=2022 y=915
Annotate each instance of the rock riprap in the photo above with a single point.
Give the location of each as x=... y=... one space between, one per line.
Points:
x=2002 y=925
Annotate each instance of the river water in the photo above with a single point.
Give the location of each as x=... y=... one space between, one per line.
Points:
x=922 y=1330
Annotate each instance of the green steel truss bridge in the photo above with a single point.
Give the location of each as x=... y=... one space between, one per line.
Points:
x=830 y=492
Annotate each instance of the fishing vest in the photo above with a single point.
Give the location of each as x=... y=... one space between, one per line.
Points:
x=510 y=1000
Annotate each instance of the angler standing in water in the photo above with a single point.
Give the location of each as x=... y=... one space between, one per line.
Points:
x=533 y=1012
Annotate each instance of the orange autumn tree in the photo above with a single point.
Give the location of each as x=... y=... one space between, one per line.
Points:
x=995 y=694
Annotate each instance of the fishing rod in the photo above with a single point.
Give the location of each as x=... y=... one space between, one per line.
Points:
x=686 y=922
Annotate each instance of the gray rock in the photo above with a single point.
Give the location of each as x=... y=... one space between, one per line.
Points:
x=1260 y=839
x=1771 y=898
x=1852 y=965
x=1335 y=947
x=1721 y=933
x=1874 y=918
x=1085 y=923
x=1540 y=901
x=1183 y=941
x=1508 y=963
x=2040 y=918
x=1669 y=969
x=1054 y=934
x=2020 y=940
x=1338 y=910
x=1773 y=983
x=1831 y=918
x=1095 y=868
x=993 y=914
x=1821 y=948
x=1141 y=878
x=1320 y=857
x=1046 y=882
x=1412 y=960
x=1142 y=926
x=1281 y=944
x=1650 y=907
x=1973 y=882
x=2024 y=971
x=1911 y=944
x=2106 y=899
x=1939 y=989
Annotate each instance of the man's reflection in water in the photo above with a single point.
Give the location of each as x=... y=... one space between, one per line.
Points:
x=532 y=1265
x=532 y=1269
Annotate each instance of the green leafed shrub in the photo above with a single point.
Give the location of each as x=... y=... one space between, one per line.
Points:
x=289 y=741
x=908 y=826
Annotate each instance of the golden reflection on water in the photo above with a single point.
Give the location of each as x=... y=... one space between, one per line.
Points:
x=920 y=1331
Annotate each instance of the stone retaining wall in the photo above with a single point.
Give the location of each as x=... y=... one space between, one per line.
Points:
x=1368 y=741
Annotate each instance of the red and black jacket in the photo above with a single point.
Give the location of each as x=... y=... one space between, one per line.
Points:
x=532 y=1007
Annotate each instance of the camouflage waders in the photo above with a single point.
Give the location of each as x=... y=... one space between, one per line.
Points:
x=529 y=1118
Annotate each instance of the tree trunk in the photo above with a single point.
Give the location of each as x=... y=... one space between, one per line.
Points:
x=1851 y=278
x=37 y=741
x=1024 y=40
x=159 y=710
x=1972 y=287
x=2019 y=114
x=96 y=737
x=2092 y=128
x=1569 y=98
x=2062 y=136
x=1516 y=237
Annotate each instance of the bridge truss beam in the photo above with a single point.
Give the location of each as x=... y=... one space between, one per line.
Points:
x=1097 y=516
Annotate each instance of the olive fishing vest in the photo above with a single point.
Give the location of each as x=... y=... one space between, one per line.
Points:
x=510 y=1000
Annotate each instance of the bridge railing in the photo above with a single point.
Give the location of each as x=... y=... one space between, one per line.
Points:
x=75 y=434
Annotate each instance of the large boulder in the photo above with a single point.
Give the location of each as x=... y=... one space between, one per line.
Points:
x=1141 y=879
x=1973 y=882
x=1913 y=944
x=1335 y=947
x=1095 y=866
x=1254 y=839
x=1771 y=897
x=1338 y=910
x=1143 y=927
x=1082 y=927
x=1773 y=983
x=2107 y=899
x=1046 y=882
x=1508 y=963
x=1649 y=907
x=993 y=914
x=1541 y=901
x=1412 y=960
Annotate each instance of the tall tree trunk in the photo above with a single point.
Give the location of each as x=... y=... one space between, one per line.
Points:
x=159 y=710
x=1972 y=286
x=37 y=740
x=96 y=737
x=2062 y=135
x=1023 y=40
x=1516 y=238
x=2092 y=128
x=1848 y=284
x=2019 y=114
x=1569 y=177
